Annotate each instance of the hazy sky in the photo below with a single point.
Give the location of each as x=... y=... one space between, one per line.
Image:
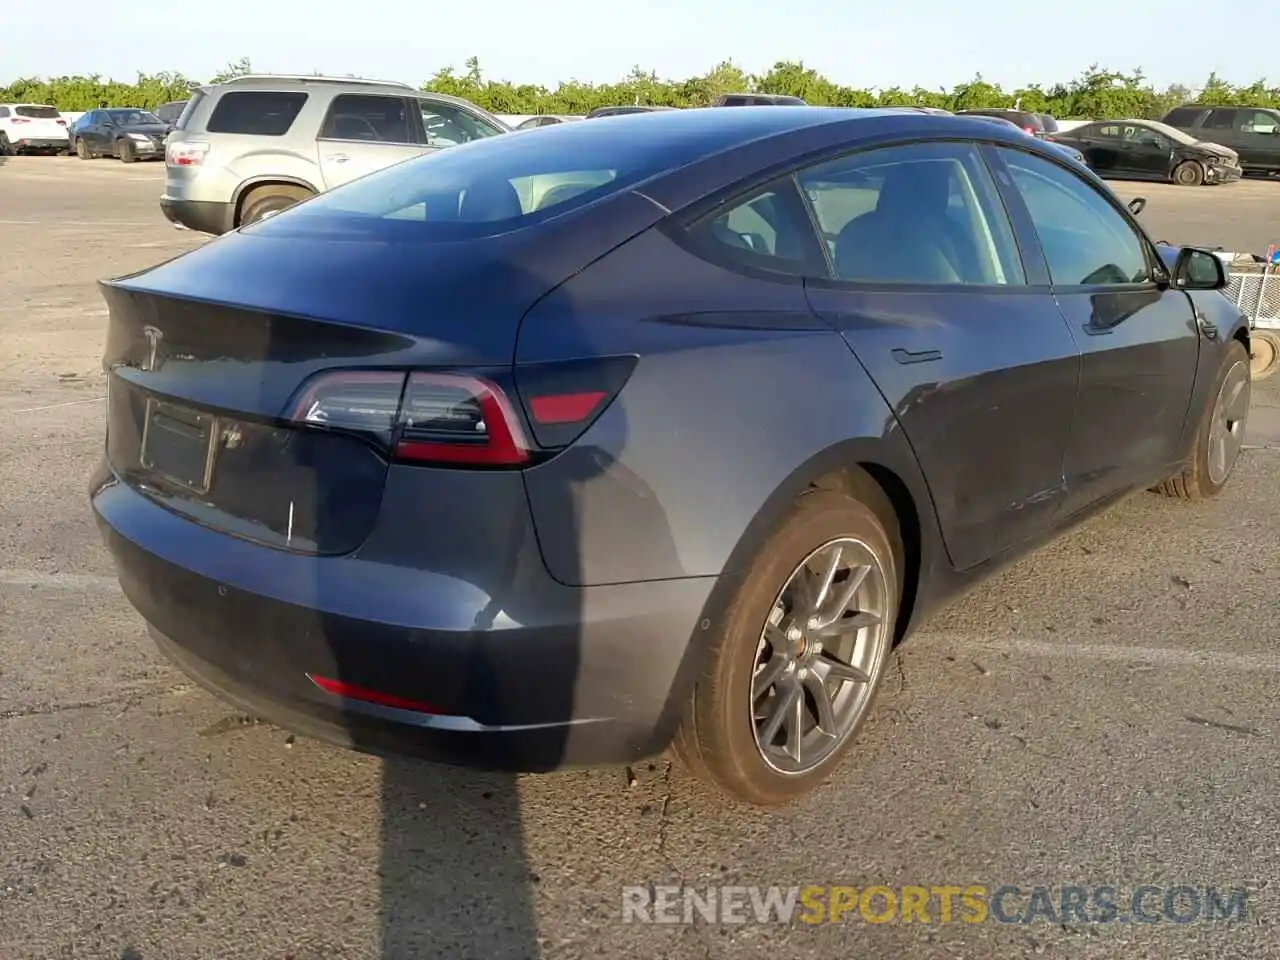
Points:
x=886 y=43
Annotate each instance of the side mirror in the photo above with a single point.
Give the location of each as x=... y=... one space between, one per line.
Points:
x=1137 y=205
x=1199 y=270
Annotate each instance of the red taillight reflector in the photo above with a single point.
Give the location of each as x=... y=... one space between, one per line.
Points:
x=20 y=120
x=349 y=691
x=565 y=407
x=453 y=418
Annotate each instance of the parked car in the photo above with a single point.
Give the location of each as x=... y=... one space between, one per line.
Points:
x=256 y=145
x=1252 y=133
x=623 y=111
x=1054 y=144
x=170 y=112
x=31 y=128
x=1028 y=122
x=430 y=464
x=127 y=133
x=545 y=120
x=1150 y=150
x=756 y=100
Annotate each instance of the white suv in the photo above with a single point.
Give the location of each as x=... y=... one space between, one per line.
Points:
x=31 y=128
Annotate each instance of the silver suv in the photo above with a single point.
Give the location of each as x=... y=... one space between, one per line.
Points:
x=258 y=144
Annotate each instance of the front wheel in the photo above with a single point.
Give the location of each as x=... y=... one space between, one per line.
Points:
x=1220 y=436
x=127 y=154
x=1189 y=173
x=798 y=657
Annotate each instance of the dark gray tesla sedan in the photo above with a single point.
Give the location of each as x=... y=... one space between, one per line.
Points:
x=659 y=430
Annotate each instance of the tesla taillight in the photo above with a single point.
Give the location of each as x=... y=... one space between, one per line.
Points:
x=464 y=418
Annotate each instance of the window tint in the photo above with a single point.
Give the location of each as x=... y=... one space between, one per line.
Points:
x=447 y=126
x=38 y=113
x=769 y=230
x=263 y=113
x=1221 y=120
x=1110 y=131
x=1182 y=116
x=370 y=119
x=923 y=213
x=1256 y=121
x=4 y=111
x=1085 y=239
x=1146 y=137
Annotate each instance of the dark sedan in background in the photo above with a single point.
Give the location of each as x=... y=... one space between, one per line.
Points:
x=124 y=132
x=565 y=448
x=1150 y=150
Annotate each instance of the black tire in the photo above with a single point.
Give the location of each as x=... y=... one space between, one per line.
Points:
x=1264 y=356
x=1189 y=173
x=126 y=152
x=716 y=740
x=269 y=199
x=6 y=148
x=1195 y=481
x=82 y=150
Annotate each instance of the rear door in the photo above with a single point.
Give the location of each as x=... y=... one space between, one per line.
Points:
x=1220 y=127
x=1258 y=135
x=967 y=347
x=1138 y=337
x=1103 y=147
x=362 y=133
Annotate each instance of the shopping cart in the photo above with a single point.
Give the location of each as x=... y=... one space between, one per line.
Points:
x=1253 y=285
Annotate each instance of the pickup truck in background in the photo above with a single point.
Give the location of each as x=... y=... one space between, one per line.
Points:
x=1252 y=132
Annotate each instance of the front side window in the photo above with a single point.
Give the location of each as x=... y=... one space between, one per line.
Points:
x=925 y=213
x=1146 y=137
x=447 y=126
x=368 y=119
x=1257 y=121
x=1085 y=239
x=262 y=113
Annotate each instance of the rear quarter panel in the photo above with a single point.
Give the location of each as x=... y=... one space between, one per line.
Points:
x=741 y=396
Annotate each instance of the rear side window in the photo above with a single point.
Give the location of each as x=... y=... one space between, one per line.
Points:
x=1224 y=119
x=1049 y=123
x=372 y=119
x=924 y=213
x=38 y=113
x=4 y=111
x=262 y=113
x=189 y=110
x=1182 y=117
x=769 y=230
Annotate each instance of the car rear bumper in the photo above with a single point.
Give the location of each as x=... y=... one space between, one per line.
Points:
x=40 y=143
x=550 y=676
x=205 y=216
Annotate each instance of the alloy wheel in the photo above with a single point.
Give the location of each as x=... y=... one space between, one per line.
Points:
x=1226 y=428
x=820 y=655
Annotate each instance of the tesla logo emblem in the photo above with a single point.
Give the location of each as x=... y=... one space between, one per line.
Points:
x=154 y=336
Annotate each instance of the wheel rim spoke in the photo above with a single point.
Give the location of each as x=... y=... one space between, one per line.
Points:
x=819 y=655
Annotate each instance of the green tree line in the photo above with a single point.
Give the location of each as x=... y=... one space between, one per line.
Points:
x=1097 y=93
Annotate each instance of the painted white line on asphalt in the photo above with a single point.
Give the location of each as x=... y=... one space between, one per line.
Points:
x=1172 y=657
x=58 y=581
x=65 y=403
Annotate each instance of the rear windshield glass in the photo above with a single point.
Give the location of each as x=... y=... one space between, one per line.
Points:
x=262 y=113
x=41 y=113
x=489 y=186
x=1050 y=124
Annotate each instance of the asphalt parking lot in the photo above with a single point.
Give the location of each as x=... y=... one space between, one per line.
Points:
x=1103 y=713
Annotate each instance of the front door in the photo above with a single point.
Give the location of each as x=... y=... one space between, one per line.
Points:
x=363 y=133
x=1138 y=337
x=930 y=294
x=1150 y=154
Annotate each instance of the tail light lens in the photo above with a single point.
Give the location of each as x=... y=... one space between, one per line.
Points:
x=61 y=123
x=20 y=120
x=189 y=153
x=464 y=419
x=1031 y=130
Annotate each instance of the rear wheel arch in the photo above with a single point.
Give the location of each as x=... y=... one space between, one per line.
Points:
x=866 y=469
x=248 y=191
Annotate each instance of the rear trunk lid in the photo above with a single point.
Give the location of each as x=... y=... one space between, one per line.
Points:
x=207 y=355
x=36 y=122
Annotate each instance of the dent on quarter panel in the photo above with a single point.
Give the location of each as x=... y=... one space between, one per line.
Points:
x=712 y=421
